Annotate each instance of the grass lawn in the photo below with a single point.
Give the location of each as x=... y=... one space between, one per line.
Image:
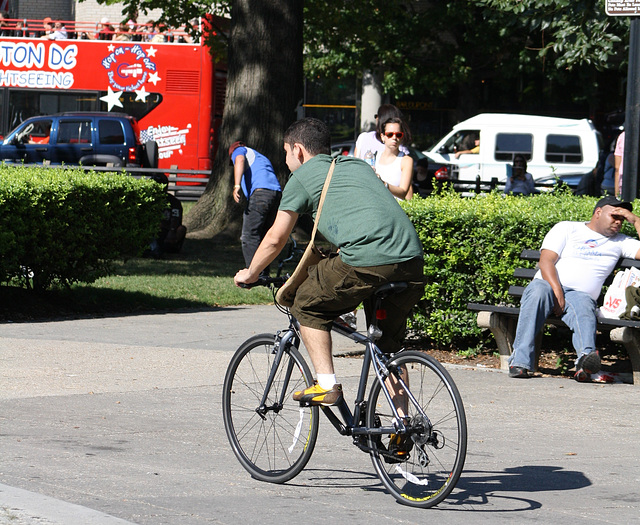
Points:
x=201 y=276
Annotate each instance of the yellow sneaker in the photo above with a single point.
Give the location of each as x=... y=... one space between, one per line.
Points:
x=316 y=396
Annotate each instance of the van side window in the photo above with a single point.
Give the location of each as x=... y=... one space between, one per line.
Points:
x=563 y=149
x=110 y=132
x=510 y=144
x=74 y=132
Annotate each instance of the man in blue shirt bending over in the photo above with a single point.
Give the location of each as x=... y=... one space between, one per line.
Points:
x=254 y=175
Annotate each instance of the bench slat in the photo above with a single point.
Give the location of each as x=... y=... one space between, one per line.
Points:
x=525 y=273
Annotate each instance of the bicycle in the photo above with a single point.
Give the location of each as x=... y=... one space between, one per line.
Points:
x=273 y=436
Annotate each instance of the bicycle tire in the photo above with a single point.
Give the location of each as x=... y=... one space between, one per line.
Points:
x=276 y=447
x=429 y=472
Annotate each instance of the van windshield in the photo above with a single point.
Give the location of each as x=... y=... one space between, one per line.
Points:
x=460 y=141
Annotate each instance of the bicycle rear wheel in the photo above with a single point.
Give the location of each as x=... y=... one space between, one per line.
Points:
x=273 y=444
x=429 y=472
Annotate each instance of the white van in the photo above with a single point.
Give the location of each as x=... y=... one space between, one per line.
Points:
x=553 y=147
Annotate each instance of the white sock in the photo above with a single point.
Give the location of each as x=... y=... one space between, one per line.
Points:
x=326 y=381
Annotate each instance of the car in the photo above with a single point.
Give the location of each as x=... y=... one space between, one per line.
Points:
x=79 y=138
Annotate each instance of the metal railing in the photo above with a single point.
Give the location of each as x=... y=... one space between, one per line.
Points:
x=198 y=179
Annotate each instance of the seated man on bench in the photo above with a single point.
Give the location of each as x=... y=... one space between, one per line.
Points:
x=575 y=260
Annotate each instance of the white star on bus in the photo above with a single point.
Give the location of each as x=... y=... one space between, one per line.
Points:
x=112 y=98
x=141 y=94
x=152 y=51
x=154 y=78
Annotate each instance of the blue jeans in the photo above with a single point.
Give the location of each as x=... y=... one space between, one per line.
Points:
x=536 y=305
x=258 y=217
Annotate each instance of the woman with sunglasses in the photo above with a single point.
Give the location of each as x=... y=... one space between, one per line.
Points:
x=392 y=166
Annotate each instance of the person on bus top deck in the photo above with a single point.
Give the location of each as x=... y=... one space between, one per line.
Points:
x=254 y=175
x=4 y=25
x=377 y=244
x=59 y=32
x=47 y=27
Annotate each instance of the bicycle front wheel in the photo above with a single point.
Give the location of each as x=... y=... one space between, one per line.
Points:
x=272 y=440
x=431 y=461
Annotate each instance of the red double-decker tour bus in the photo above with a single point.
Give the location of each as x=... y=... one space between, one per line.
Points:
x=173 y=88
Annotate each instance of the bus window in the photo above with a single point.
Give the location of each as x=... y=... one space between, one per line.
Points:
x=132 y=105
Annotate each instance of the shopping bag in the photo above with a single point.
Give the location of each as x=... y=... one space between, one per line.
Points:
x=614 y=300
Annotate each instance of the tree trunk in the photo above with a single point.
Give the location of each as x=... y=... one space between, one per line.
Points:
x=264 y=85
x=372 y=93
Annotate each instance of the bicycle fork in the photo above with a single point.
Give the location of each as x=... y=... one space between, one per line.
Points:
x=279 y=349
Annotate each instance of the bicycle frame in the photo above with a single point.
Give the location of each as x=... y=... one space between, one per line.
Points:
x=352 y=424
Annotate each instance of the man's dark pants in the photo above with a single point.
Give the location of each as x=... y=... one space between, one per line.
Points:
x=259 y=214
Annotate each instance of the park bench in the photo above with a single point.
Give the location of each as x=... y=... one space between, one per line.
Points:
x=502 y=320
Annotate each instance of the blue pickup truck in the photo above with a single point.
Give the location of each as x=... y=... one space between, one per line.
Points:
x=88 y=139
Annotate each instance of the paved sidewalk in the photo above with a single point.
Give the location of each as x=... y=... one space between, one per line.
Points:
x=117 y=420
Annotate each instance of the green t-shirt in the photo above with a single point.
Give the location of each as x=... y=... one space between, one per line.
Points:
x=359 y=216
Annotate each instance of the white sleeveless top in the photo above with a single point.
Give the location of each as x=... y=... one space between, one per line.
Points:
x=391 y=173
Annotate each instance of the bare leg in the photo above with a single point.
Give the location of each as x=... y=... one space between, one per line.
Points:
x=398 y=394
x=318 y=343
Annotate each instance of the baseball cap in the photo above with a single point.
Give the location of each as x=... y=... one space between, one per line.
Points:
x=46 y=20
x=610 y=200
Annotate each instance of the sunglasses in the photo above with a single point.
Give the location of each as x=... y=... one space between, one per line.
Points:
x=390 y=134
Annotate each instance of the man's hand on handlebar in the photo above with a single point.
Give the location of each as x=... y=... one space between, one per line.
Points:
x=244 y=277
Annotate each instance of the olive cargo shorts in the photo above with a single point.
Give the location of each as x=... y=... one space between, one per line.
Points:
x=334 y=288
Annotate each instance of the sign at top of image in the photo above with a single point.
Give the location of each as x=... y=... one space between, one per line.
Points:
x=623 y=7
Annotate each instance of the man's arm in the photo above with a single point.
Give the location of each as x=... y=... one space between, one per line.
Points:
x=632 y=219
x=270 y=247
x=238 y=171
x=549 y=273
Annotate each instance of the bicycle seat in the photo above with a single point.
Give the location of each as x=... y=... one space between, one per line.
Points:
x=390 y=288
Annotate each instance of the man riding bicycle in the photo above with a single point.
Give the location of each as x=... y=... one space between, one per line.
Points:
x=377 y=244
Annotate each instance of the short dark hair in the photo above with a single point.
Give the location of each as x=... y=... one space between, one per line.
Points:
x=388 y=111
x=312 y=133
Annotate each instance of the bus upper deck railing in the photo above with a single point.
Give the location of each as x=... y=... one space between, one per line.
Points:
x=83 y=30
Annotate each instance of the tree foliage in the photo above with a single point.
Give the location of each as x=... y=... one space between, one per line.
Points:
x=264 y=86
x=572 y=33
x=436 y=46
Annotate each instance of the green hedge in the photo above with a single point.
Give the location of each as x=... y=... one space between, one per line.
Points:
x=472 y=246
x=63 y=226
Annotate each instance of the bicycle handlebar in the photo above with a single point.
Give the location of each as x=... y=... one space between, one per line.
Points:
x=266 y=281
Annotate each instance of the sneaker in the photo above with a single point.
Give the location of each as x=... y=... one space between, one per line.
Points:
x=581 y=376
x=349 y=320
x=317 y=396
x=519 y=372
x=399 y=446
x=590 y=363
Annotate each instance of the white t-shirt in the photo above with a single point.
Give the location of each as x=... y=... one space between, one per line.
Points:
x=368 y=141
x=586 y=257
